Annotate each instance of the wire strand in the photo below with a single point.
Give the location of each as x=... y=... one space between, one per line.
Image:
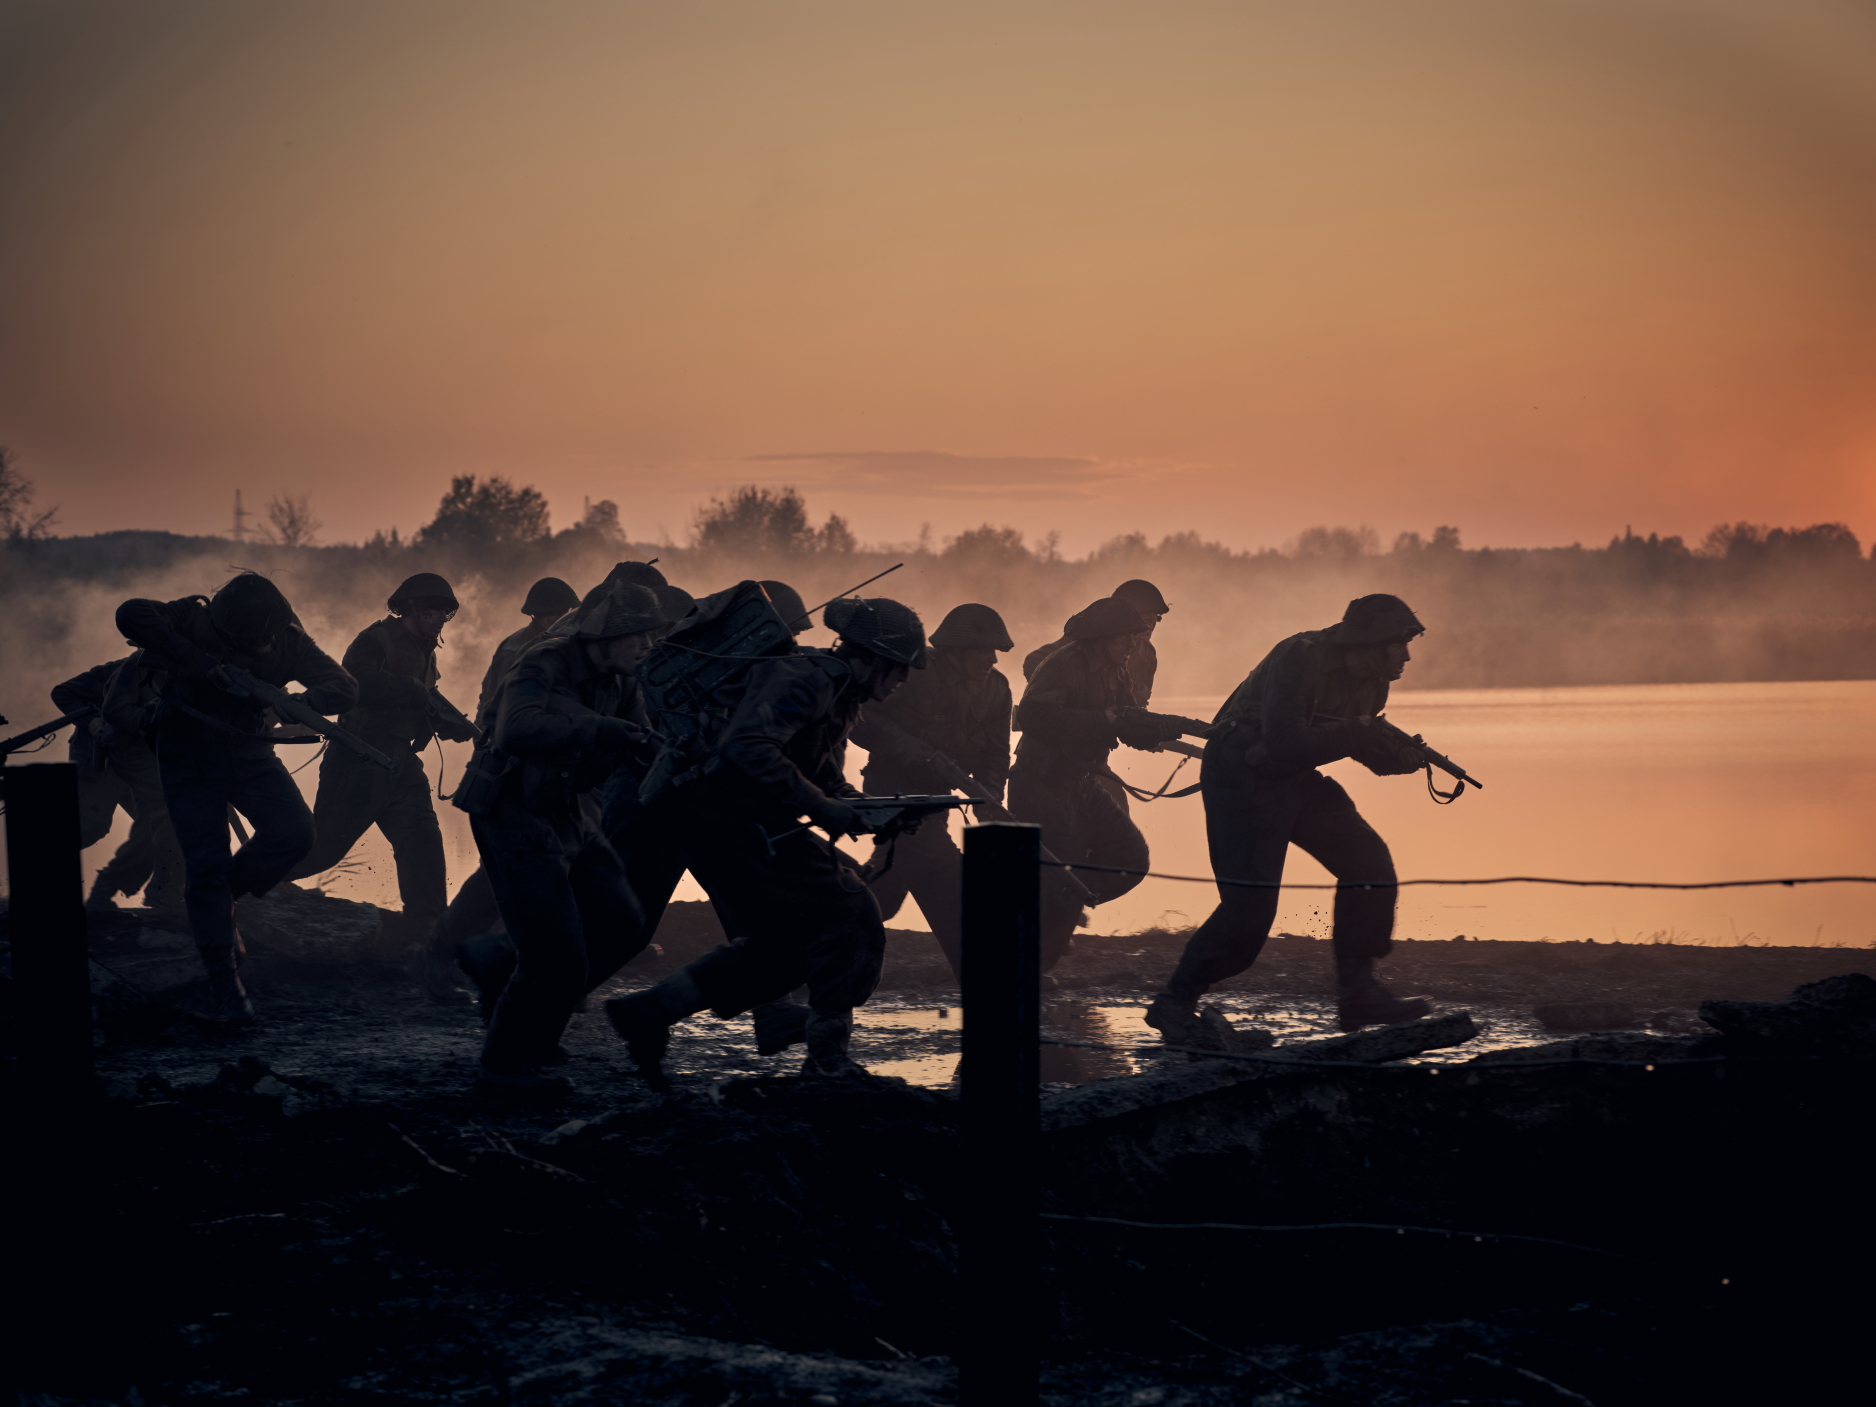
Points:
x=1502 y=879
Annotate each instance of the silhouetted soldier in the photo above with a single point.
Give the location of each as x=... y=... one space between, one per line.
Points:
x=796 y=908
x=957 y=710
x=1145 y=598
x=116 y=767
x=1300 y=708
x=394 y=662
x=548 y=600
x=564 y=719
x=1077 y=709
x=213 y=752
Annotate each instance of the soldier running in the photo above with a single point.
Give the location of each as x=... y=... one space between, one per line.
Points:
x=1079 y=707
x=116 y=767
x=1146 y=599
x=795 y=906
x=547 y=601
x=566 y=717
x=956 y=712
x=213 y=753
x=1306 y=704
x=394 y=662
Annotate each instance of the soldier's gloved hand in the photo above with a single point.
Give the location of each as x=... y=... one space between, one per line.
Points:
x=1137 y=728
x=837 y=817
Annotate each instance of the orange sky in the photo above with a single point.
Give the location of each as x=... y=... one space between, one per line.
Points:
x=1536 y=270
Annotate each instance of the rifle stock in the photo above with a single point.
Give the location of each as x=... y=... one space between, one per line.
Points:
x=291 y=710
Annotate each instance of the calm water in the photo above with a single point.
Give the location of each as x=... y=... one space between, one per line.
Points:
x=1675 y=781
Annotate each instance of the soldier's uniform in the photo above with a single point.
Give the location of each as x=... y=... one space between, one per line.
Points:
x=116 y=767
x=396 y=672
x=1263 y=794
x=795 y=907
x=213 y=754
x=562 y=724
x=962 y=713
x=547 y=601
x=1072 y=716
x=1145 y=598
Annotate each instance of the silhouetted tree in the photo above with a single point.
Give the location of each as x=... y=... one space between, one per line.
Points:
x=600 y=522
x=754 y=519
x=290 y=521
x=1338 y=543
x=487 y=513
x=17 y=519
x=987 y=547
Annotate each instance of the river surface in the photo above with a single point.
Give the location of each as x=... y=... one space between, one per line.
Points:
x=1678 y=782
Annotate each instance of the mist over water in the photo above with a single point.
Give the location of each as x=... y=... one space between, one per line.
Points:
x=1608 y=770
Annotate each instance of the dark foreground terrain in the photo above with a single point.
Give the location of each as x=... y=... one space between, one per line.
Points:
x=317 y=1212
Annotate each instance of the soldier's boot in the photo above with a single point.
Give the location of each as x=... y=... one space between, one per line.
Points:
x=103 y=893
x=1361 y=1000
x=828 y=1034
x=1174 y=1013
x=522 y=1084
x=643 y=1020
x=434 y=968
x=488 y=960
x=228 y=1004
x=779 y=1024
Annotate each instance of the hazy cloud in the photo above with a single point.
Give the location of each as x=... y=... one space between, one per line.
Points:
x=937 y=474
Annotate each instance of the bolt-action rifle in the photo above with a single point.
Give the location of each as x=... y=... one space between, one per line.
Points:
x=888 y=816
x=987 y=805
x=1188 y=727
x=44 y=730
x=449 y=721
x=1402 y=743
x=291 y=710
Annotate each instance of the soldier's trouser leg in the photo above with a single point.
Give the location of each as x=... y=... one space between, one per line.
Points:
x=352 y=793
x=472 y=911
x=799 y=915
x=408 y=820
x=1081 y=820
x=156 y=859
x=565 y=902
x=99 y=796
x=199 y=786
x=934 y=872
x=1249 y=829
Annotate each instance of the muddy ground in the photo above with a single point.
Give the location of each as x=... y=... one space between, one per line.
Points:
x=318 y=1211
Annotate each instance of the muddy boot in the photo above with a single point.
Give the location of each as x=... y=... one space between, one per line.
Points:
x=1361 y=1000
x=228 y=1004
x=644 y=1019
x=522 y=1084
x=488 y=961
x=1175 y=1016
x=827 y=1035
x=779 y=1024
x=433 y=967
x=103 y=894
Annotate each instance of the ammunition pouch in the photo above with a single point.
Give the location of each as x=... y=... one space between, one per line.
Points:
x=482 y=782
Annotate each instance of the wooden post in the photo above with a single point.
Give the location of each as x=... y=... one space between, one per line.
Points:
x=46 y=922
x=998 y=1321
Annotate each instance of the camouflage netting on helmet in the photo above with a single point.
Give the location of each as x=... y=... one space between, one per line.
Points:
x=250 y=608
x=548 y=595
x=885 y=627
x=1373 y=620
x=611 y=609
x=636 y=574
x=1103 y=618
x=972 y=627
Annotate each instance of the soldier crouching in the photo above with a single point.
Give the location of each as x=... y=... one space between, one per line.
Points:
x=797 y=909
x=567 y=715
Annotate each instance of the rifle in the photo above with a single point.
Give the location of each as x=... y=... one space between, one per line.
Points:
x=44 y=730
x=455 y=724
x=986 y=804
x=888 y=816
x=1401 y=741
x=292 y=710
x=1183 y=748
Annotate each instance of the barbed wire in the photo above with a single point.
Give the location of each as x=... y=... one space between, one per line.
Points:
x=1501 y=879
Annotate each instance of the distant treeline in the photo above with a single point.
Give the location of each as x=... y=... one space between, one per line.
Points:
x=1747 y=603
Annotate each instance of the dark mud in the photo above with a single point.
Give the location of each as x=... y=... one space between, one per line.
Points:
x=318 y=1211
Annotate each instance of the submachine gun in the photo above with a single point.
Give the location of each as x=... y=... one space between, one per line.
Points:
x=44 y=730
x=291 y=710
x=1412 y=750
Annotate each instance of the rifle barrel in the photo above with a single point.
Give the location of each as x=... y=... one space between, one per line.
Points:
x=33 y=735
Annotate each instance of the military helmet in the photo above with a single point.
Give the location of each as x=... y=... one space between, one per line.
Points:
x=421 y=588
x=972 y=627
x=674 y=601
x=788 y=605
x=611 y=609
x=885 y=627
x=250 y=608
x=637 y=573
x=548 y=595
x=1372 y=620
x=1143 y=596
x=1108 y=616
